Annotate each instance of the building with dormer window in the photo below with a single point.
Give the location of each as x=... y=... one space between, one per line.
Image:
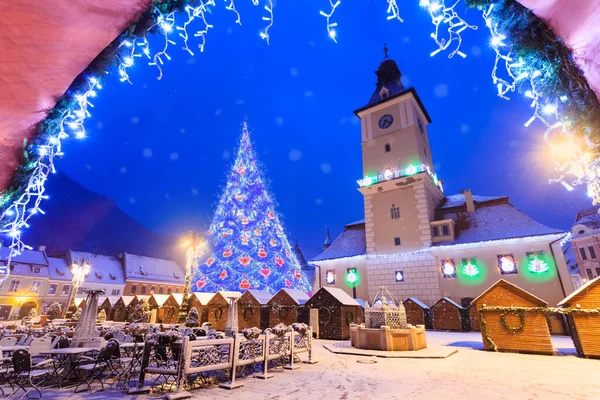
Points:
x=420 y=242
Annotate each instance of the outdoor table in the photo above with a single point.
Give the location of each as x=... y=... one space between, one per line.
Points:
x=128 y=347
x=66 y=359
x=11 y=349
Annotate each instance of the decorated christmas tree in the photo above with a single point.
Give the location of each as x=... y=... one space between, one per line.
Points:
x=249 y=249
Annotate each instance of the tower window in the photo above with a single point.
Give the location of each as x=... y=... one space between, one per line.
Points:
x=395 y=212
x=583 y=254
x=436 y=231
x=388 y=148
x=592 y=252
x=425 y=151
x=397 y=241
x=590 y=274
x=445 y=230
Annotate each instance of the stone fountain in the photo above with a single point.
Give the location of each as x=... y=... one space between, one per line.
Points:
x=386 y=328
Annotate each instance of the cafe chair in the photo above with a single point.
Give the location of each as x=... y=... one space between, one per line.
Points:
x=24 y=374
x=96 y=367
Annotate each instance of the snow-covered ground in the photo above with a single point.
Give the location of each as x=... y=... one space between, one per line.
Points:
x=468 y=374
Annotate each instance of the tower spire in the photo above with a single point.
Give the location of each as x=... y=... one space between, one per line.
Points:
x=385 y=51
x=327 y=240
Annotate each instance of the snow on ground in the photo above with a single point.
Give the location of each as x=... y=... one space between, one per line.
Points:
x=469 y=374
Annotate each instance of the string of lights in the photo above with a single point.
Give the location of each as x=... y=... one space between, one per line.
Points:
x=199 y=12
x=269 y=8
x=393 y=11
x=331 y=25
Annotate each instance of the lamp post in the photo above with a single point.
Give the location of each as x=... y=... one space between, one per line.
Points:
x=194 y=244
x=80 y=268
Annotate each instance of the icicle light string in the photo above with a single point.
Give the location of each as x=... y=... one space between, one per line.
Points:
x=265 y=33
x=194 y=13
x=331 y=25
x=393 y=11
x=166 y=25
x=442 y=15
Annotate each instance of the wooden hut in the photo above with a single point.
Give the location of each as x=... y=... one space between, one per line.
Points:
x=287 y=307
x=337 y=310
x=474 y=317
x=120 y=312
x=252 y=309
x=218 y=309
x=107 y=304
x=200 y=300
x=447 y=315
x=417 y=312
x=584 y=320
x=157 y=302
x=510 y=329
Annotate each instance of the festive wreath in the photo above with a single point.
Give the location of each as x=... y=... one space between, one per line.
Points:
x=509 y=328
x=324 y=315
x=283 y=313
x=248 y=312
x=349 y=317
x=218 y=313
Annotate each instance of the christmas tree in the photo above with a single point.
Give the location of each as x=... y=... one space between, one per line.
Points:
x=249 y=249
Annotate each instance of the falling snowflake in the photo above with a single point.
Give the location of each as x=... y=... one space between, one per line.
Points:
x=174 y=156
x=182 y=130
x=440 y=90
x=167 y=196
x=135 y=120
x=318 y=201
x=294 y=72
x=147 y=152
x=226 y=154
x=308 y=93
x=88 y=167
x=132 y=200
x=279 y=121
x=475 y=51
x=218 y=111
x=123 y=170
x=99 y=125
x=464 y=128
x=325 y=168
x=194 y=191
x=295 y=155
x=240 y=102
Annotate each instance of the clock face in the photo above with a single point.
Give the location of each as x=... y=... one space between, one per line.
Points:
x=386 y=121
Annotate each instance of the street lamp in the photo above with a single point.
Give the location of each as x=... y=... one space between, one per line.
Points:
x=80 y=268
x=194 y=244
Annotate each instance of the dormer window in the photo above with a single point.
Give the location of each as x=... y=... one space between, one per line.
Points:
x=384 y=93
x=388 y=148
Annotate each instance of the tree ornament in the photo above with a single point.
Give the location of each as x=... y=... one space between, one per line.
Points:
x=223 y=274
x=244 y=284
x=244 y=260
x=262 y=253
x=470 y=269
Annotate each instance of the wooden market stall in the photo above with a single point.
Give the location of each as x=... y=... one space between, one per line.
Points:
x=447 y=315
x=218 y=309
x=252 y=309
x=417 y=312
x=584 y=319
x=157 y=302
x=287 y=307
x=512 y=319
x=108 y=305
x=120 y=311
x=200 y=301
x=337 y=310
x=474 y=317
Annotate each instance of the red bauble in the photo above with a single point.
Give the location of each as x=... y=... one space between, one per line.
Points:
x=297 y=274
x=279 y=261
x=245 y=260
x=265 y=272
x=239 y=197
x=227 y=253
x=271 y=215
x=288 y=283
x=210 y=261
x=200 y=284
x=273 y=242
x=262 y=253
x=210 y=232
x=244 y=284
x=245 y=221
x=223 y=274
x=257 y=232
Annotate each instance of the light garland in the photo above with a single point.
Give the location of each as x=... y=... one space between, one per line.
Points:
x=331 y=25
x=442 y=15
x=393 y=11
x=389 y=174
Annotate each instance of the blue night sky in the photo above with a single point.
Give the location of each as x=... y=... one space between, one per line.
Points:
x=162 y=149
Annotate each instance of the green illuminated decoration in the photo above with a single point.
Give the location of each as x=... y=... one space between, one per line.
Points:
x=470 y=267
x=352 y=277
x=537 y=265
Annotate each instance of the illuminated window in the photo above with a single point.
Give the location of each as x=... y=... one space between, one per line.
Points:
x=399 y=276
x=449 y=268
x=395 y=212
x=65 y=290
x=388 y=148
x=52 y=289
x=35 y=287
x=330 y=277
x=507 y=264
x=583 y=253
x=152 y=290
x=592 y=251
x=397 y=241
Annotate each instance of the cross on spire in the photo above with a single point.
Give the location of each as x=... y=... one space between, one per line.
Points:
x=385 y=50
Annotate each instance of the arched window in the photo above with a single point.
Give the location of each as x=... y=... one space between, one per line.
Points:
x=388 y=148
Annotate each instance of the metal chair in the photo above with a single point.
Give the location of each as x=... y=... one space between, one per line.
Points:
x=97 y=366
x=25 y=374
x=8 y=341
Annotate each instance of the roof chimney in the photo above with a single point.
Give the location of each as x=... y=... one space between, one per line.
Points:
x=468 y=199
x=42 y=249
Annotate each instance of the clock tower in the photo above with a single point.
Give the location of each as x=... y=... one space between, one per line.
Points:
x=400 y=187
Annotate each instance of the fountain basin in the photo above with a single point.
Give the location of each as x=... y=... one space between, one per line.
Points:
x=384 y=338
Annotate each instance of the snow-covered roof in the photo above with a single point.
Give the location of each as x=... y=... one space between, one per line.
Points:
x=449 y=300
x=59 y=270
x=458 y=200
x=127 y=300
x=112 y=300
x=33 y=257
x=573 y=296
x=178 y=297
x=297 y=295
x=517 y=290
x=103 y=269
x=493 y=221
x=341 y=296
x=140 y=268
x=262 y=296
x=161 y=298
x=361 y=302
x=351 y=242
x=419 y=303
x=204 y=297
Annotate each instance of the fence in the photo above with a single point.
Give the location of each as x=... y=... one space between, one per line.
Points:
x=212 y=355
